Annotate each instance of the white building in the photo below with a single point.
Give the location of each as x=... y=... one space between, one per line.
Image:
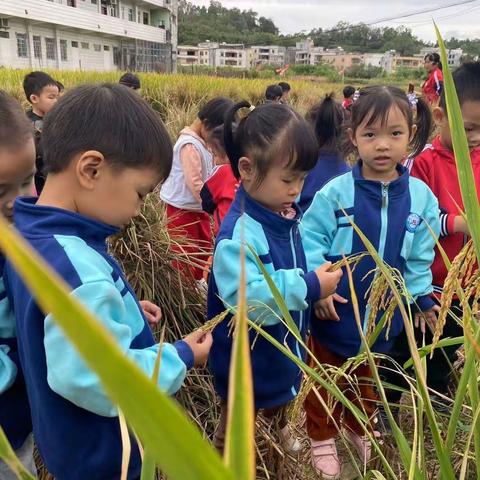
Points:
x=268 y=55
x=454 y=55
x=89 y=34
x=231 y=55
x=373 y=59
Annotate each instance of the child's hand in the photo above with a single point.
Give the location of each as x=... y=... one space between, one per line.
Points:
x=152 y=312
x=325 y=309
x=428 y=317
x=200 y=342
x=460 y=225
x=328 y=280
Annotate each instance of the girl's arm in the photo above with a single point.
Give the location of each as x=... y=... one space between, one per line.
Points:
x=192 y=169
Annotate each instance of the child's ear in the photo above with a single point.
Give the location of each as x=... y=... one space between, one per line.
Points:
x=246 y=168
x=89 y=167
x=438 y=115
x=351 y=137
x=33 y=99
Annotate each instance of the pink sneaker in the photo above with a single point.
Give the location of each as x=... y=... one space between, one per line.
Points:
x=325 y=458
x=362 y=444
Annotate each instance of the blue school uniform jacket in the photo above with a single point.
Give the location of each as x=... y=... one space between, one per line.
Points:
x=76 y=427
x=14 y=410
x=395 y=217
x=278 y=243
x=328 y=166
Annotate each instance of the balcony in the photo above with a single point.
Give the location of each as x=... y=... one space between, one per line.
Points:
x=81 y=19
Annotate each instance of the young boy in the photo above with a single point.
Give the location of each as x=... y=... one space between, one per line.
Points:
x=286 y=88
x=105 y=150
x=42 y=92
x=17 y=168
x=273 y=94
x=436 y=167
x=348 y=93
x=130 y=80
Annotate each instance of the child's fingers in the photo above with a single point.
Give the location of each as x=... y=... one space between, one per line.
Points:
x=338 y=298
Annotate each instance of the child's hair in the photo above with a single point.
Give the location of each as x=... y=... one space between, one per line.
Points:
x=35 y=82
x=411 y=88
x=348 y=91
x=327 y=119
x=273 y=92
x=108 y=118
x=467 y=83
x=217 y=137
x=130 y=80
x=434 y=58
x=285 y=86
x=15 y=127
x=375 y=102
x=268 y=135
x=213 y=112
x=60 y=86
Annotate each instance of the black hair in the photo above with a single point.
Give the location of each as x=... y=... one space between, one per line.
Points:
x=348 y=91
x=467 y=83
x=35 y=82
x=213 y=112
x=327 y=119
x=411 y=87
x=434 y=58
x=108 y=118
x=270 y=134
x=130 y=80
x=273 y=92
x=60 y=86
x=375 y=102
x=285 y=86
x=15 y=127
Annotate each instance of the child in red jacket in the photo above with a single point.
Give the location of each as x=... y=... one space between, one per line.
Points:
x=437 y=168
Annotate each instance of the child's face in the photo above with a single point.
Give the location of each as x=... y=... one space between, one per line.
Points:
x=382 y=146
x=17 y=169
x=429 y=65
x=278 y=190
x=471 y=121
x=46 y=100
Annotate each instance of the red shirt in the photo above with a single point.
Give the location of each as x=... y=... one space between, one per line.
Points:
x=347 y=103
x=432 y=88
x=218 y=193
x=436 y=167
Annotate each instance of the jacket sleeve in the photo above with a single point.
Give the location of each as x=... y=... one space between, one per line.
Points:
x=319 y=226
x=192 y=169
x=8 y=369
x=297 y=288
x=209 y=203
x=418 y=276
x=69 y=376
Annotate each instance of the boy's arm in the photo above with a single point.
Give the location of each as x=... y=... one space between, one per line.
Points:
x=297 y=288
x=70 y=377
x=418 y=276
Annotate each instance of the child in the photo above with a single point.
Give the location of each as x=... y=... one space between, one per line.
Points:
x=273 y=94
x=61 y=89
x=412 y=98
x=95 y=185
x=433 y=86
x=328 y=125
x=395 y=212
x=286 y=88
x=192 y=165
x=348 y=93
x=130 y=80
x=42 y=92
x=17 y=169
x=219 y=190
x=271 y=151
x=437 y=168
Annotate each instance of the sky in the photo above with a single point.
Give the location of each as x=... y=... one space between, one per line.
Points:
x=290 y=16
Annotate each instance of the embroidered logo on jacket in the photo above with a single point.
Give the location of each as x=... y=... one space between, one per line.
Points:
x=413 y=221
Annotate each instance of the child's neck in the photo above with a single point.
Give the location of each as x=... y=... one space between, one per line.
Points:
x=385 y=177
x=57 y=193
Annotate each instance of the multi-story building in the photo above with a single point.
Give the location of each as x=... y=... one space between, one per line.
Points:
x=372 y=59
x=89 y=34
x=231 y=55
x=391 y=62
x=454 y=55
x=267 y=55
x=201 y=55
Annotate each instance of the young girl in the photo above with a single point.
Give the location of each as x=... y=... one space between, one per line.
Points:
x=432 y=88
x=412 y=98
x=271 y=151
x=192 y=165
x=328 y=123
x=395 y=212
x=219 y=190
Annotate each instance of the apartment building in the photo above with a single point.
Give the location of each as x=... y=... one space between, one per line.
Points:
x=89 y=34
x=267 y=55
x=231 y=55
x=202 y=54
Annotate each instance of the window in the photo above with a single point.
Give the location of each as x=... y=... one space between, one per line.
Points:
x=116 y=56
x=94 y=2
x=145 y=18
x=106 y=48
x=71 y=3
x=131 y=17
x=50 y=48
x=74 y=44
x=85 y=45
x=97 y=47
x=37 y=46
x=4 y=34
x=63 y=50
x=22 y=50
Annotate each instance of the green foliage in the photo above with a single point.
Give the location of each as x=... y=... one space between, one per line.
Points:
x=363 y=71
x=323 y=70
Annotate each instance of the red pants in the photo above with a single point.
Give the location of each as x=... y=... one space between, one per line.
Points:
x=319 y=424
x=196 y=229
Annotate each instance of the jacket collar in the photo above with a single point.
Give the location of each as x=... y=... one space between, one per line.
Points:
x=42 y=221
x=449 y=155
